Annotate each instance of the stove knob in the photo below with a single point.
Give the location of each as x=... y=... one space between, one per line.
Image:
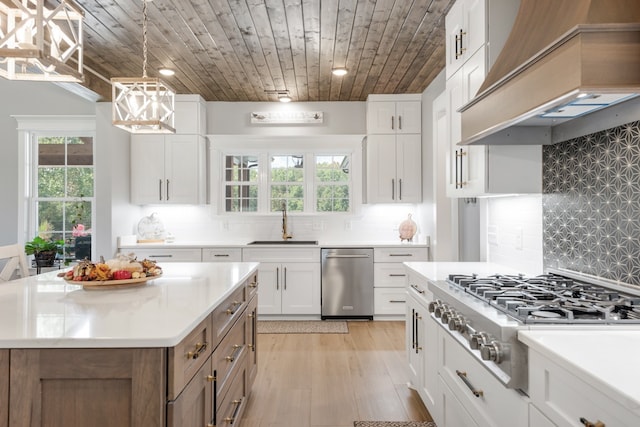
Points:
x=433 y=305
x=446 y=315
x=477 y=340
x=456 y=323
x=491 y=351
x=441 y=308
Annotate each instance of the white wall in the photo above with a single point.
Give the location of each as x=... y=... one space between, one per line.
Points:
x=514 y=232
x=25 y=98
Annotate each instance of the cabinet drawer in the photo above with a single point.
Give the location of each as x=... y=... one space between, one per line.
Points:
x=227 y=357
x=188 y=356
x=565 y=398
x=230 y=408
x=496 y=405
x=228 y=312
x=402 y=254
x=389 y=301
x=389 y=275
x=222 y=254
x=281 y=255
x=168 y=255
x=194 y=405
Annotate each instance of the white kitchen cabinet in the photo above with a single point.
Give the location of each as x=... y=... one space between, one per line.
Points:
x=162 y=255
x=394 y=114
x=422 y=343
x=454 y=413
x=221 y=254
x=484 y=397
x=537 y=418
x=466 y=32
x=564 y=397
x=483 y=170
x=394 y=168
x=190 y=115
x=390 y=278
x=289 y=280
x=168 y=169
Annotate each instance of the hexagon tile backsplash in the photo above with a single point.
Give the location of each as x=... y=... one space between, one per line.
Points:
x=591 y=204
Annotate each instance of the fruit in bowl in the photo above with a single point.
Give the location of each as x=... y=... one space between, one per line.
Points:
x=123 y=267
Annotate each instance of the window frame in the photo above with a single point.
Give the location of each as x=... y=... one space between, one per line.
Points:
x=308 y=146
x=30 y=128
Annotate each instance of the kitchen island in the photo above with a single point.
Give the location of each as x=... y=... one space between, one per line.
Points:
x=160 y=354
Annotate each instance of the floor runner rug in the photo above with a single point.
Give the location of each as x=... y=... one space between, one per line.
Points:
x=302 y=327
x=393 y=424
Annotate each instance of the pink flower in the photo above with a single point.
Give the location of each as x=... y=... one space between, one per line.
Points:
x=78 y=231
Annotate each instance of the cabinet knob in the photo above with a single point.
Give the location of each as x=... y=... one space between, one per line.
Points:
x=588 y=423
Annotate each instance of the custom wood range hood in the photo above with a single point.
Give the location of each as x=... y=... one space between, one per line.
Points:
x=563 y=59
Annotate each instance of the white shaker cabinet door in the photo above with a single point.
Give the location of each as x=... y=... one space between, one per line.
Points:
x=147 y=169
x=269 y=296
x=184 y=169
x=408 y=168
x=301 y=288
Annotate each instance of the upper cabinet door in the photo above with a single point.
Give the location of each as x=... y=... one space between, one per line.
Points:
x=183 y=172
x=466 y=28
x=409 y=116
x=147 y=169
x=381 y=117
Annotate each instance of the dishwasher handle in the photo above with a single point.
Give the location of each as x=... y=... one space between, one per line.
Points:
x=349 y=256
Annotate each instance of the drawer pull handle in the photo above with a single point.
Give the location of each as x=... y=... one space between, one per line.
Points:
x=588 y=423
x=397 y=275
x=221 y=255
x=210 y=378
x=237 y=404
x=253 y=284
x=160 y=256
x=465 y=380
x=400 y=255
x=232 y=310
x=418 y=290
x=233 y=356
x=200 y=348
x=397 y=301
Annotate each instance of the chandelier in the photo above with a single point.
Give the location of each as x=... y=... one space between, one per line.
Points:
x=146 y=104
x=39 y=42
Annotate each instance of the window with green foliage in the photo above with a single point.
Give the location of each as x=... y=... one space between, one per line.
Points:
x=264 y=182
x=286 y=183
x=241 y=183
x=64 y=192
x=332 y=183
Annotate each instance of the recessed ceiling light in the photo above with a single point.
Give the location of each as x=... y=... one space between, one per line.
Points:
x=339 y=71
x=166 y=71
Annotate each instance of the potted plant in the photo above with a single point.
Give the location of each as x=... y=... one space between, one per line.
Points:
x=44 y=250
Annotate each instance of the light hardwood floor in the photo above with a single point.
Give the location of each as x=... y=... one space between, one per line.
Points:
x=332 y=380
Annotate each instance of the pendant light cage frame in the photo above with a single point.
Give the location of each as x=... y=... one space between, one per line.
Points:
x=42 y=43
x=143 y=104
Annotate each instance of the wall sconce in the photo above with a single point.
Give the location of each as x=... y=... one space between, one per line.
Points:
x=37 y=42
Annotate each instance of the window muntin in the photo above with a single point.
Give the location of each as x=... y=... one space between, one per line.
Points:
x=332 y=183
x=241 y=173
x=286 y=182
x=64 y=191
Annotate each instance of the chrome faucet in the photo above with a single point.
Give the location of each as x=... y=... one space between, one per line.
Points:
x=285 y=235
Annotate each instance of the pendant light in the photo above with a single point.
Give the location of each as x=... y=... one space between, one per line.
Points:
x=39 y=42
x=146 y=104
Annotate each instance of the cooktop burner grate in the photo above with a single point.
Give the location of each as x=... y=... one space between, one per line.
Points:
x=551 y=298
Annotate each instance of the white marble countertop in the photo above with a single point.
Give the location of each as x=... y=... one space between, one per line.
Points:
x=605 y=358
x=44 y=311
x=441 y=270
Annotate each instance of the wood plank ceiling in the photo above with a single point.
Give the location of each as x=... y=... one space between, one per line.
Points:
x=235 y=50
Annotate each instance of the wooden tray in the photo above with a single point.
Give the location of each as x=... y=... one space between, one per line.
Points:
x=99 y=285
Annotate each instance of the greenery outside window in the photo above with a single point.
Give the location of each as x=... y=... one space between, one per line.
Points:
x=63 y=195
x=286 y=183
x=241 y=174
x=332 y=183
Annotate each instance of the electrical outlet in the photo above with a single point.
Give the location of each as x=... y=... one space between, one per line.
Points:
x=225 y=225
x=347 y=225
x=317 y=226
x=518 y=238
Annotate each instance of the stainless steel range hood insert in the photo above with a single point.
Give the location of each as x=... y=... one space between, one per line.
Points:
x=563 y=59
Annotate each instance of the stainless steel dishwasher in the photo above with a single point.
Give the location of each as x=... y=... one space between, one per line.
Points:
x=347 y=283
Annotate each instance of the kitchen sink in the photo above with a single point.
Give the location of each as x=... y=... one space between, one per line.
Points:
x=284 y=242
